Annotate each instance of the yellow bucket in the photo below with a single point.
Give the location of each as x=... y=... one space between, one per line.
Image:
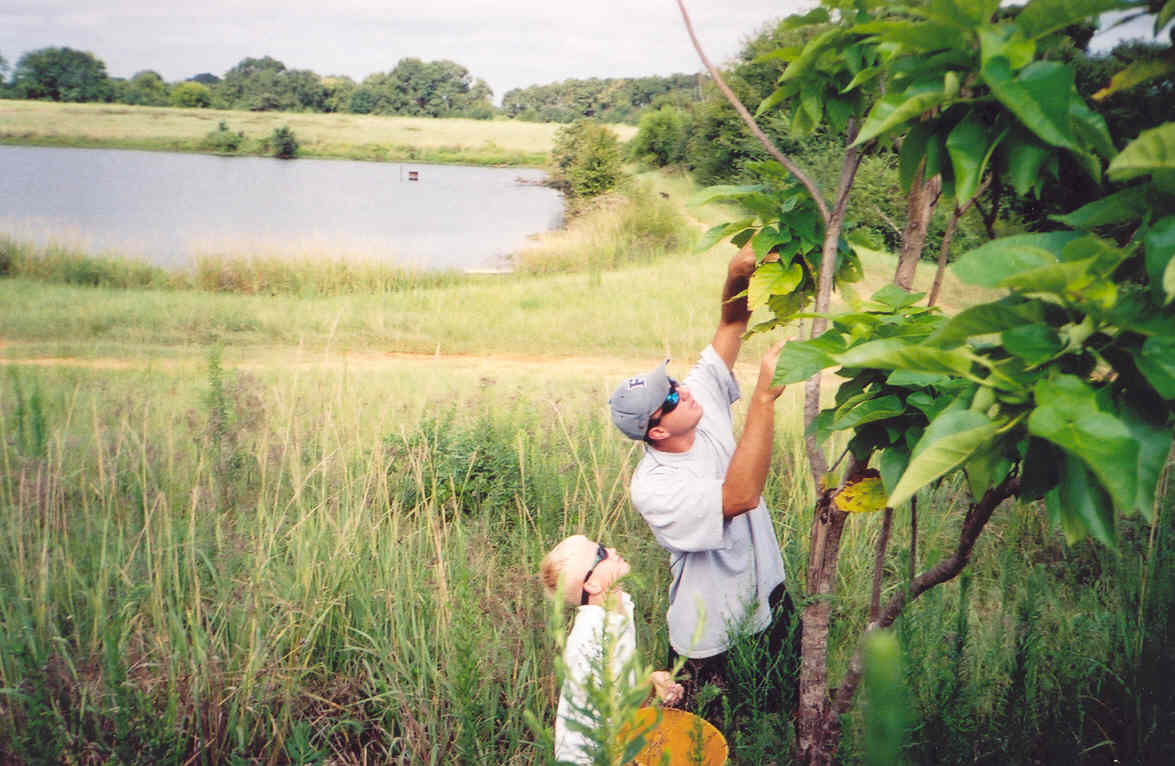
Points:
x=682 y=736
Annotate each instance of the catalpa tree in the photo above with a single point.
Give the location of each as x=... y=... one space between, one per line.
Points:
x=1062 y=390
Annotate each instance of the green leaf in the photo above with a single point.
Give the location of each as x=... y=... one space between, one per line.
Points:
x=767 y=238
x=907 y=379
x=1038 y=96
x=986 y=319
x=1079 y=505
x=1169 y=281
x=772 y=278
x=1066 y=414
x=1152 y=152
x=911 y=154
x=926 y=36
x=1007 y=42
x=1121 y=206
x=892 y=464
x=1040 y=17
x=1136 y=73
x=1165 y=14
x=867 y=74
x=1023 y=156
x=990 y=264
x=897 y=108
x=1034 y=343
x=777 y=96
x=812 y=52
x=970 y=148
x=869 y=411
x=1154 y=445
x=800 y=360
x=1156 y=362
x=986 y=468
x=895 y=298
x=947 y=443
x=723 y=230
x=1159 y=245
x=898 y=354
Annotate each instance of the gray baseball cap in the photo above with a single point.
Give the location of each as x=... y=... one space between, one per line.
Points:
x=637 y=398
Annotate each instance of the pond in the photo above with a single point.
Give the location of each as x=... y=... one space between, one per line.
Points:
x=169 y=208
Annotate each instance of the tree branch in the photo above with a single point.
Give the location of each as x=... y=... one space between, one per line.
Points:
x=946 y=569
x=750 y=121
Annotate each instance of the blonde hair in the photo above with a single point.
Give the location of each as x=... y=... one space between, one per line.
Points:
x=551 y=570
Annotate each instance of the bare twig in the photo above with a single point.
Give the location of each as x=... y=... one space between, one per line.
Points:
x=948 y=236
x=750 y=121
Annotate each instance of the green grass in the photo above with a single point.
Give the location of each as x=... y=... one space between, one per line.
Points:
x=344 y=136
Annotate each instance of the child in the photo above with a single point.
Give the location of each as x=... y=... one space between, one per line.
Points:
x=588 y=573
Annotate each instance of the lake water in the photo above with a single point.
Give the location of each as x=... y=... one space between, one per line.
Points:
x=168 y=208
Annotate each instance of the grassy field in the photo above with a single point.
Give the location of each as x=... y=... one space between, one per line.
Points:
x=295 y=517
x=350 y=136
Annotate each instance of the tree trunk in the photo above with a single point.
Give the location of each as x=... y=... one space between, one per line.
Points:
x=919 y=206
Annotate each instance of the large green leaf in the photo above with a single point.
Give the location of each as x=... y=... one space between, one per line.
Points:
x=1066 y=414
x=1154 y=445
x=985 y=319
x=1156 y=361
x=1034 y=343
x=912 y=152
x=970 y=146
x=1169 y=281
x=800 y=360
x=717 y=233
x=947 y=443
x=892 y=464
x=897 y=108
x=1159 y=244
x=1024 y=156
x=1124 y=205
x=990 y=264
x=1079 y=505
x=1007 y=42
x=1090 y=127
x=921 y=37
x=1152 y=152
x=811 y=54
x=897 y=354
x=1038 y=95
x=986 y=468
x=770 y=279
x=894 y=298
x=1041 y=17
x=869 y=411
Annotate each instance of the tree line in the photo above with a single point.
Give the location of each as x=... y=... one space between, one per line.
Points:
x=413 y=87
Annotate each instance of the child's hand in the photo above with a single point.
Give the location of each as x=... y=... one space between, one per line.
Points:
x=669 y=692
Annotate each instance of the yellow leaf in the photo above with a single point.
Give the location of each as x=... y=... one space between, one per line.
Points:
x=863 y=495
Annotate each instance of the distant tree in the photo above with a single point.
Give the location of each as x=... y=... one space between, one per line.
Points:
x=205 y=78
x=191 y=94
x=421 y=88
x=587 y=158
x=3 y=69
x=660 y=139
x=61 y=74
x=337 y=90
x=146 y=88
x=608 y=100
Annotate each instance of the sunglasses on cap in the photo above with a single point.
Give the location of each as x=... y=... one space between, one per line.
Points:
x=601 y=554
x=671 y=400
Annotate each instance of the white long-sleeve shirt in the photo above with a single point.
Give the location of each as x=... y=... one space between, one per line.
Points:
x=583 y=657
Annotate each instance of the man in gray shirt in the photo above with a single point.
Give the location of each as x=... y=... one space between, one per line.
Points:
x=701 y=494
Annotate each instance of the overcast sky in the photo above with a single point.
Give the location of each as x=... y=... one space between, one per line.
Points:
x=508 y=43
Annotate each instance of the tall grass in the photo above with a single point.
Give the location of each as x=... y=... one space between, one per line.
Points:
x=296 y=566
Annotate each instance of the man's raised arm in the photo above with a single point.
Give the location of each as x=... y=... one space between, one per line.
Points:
x=747 y=474
x=728 y=338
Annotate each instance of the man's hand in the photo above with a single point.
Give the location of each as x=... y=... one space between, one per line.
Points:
x=742 y=263
x=767 y=372
x=669 y=692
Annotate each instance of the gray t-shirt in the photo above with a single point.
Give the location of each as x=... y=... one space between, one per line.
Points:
x=723 y=570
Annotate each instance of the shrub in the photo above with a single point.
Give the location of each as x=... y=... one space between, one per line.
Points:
x=223 y=140
x=660 y=140
x=192 y=95
x=283 y=144
x=587 y=159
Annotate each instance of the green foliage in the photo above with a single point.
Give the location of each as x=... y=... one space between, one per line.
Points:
x=661 y=138
x=587 y=159
x=190 y=94
x=146 y=88
x=223 y=140
x=422 y=88
x=606 y=100
x=886 y=704
x=61 y=74
x=264 y=84
x=283 y=144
